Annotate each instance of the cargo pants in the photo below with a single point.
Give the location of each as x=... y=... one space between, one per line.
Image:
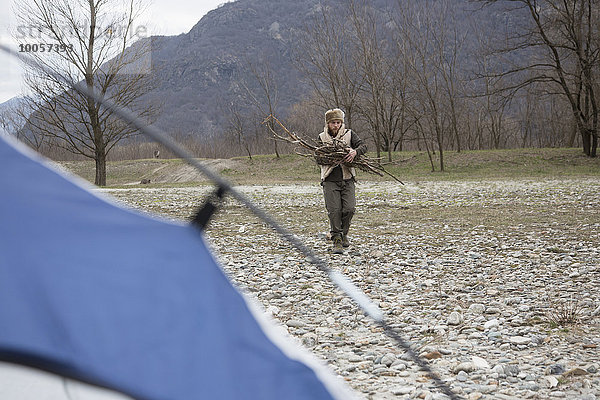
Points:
x=340 y=202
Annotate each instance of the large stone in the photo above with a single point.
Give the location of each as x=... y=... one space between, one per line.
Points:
x=354 y=358
x=295 y=323
x=398 y=366
x=454 y=318
x=376 y=254
x=465 y=366
x=512 y=370
x=462 y=376
x=479 y=363
x=498 y=369
x=322 y=331
x=388 y=359
x=550 y=382
x=492 y=323
x=558 y=394
x=520 y=340
x=555 y=369
x=592 y=368
x=309 y=339
x=476 y=309
x=273 y=310
x=402 y=390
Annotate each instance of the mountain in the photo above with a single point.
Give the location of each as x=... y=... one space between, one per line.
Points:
x=10 y=121
x=199 y=73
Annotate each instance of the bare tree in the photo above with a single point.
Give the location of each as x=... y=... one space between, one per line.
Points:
x=305 y=118
x=434 y=50
x=383 y=68
x=326 y=57
x=449 y=66
x=543 y=119
x=236 y=126
x=494 y=103
x=565 y=36
x=85 y=41
x=12 y=119
x=264 y=99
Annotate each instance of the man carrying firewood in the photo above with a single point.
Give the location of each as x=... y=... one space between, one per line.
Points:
x=337 y=178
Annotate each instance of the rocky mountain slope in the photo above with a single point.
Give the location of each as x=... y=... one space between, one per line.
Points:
x=200 y=73
x=10 y=122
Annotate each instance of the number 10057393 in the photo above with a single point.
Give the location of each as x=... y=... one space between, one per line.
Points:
x=44 y=47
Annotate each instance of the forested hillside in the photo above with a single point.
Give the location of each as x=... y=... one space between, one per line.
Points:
x=221 y=65
x=429 y=75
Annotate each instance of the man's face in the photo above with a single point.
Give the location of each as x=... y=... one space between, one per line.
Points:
x=334 y=126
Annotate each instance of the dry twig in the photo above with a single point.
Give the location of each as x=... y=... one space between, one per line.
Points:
x=329 y=153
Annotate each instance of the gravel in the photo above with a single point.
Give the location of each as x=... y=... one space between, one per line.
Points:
x=481 y=278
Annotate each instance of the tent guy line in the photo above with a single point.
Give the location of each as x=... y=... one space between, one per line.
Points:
x=340 y=280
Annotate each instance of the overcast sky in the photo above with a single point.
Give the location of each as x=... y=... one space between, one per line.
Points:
x=163 y=17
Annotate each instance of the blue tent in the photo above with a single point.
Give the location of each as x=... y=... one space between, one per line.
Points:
x=108 y=296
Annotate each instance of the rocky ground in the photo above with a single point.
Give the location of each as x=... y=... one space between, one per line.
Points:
x=496 y=283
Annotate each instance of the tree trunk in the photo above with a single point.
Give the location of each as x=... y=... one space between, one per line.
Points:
x=572 y=135
x=586 y=140
x=429 y=154
x=276 y=149
x=441 y=150
x=100 y=169
x=272 y=128
x=455 y=128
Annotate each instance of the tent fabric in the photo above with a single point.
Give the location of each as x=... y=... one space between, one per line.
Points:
x=112 y=297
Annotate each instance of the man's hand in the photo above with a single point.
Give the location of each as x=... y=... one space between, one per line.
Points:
x=350 y=156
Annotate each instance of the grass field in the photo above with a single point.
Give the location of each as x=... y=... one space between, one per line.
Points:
x=408 y=166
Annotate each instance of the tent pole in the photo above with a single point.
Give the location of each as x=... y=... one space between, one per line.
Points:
x=340 y=280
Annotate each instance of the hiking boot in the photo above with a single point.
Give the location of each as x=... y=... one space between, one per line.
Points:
x=337 y=246
x=345 y=241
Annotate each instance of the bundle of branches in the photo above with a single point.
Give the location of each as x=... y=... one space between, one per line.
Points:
x=328 y=153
